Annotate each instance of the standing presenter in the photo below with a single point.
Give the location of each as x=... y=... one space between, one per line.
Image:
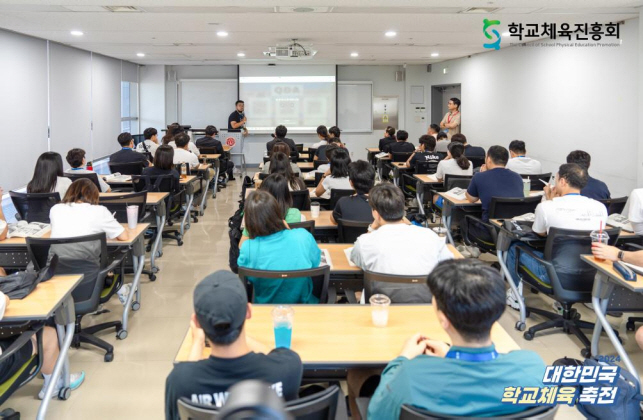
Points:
x=237 y=120
x=450 y=124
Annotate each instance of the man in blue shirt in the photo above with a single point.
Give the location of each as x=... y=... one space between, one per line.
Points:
x=594 y=189
x=468 y=378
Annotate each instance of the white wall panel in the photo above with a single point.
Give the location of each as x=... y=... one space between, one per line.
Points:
x=106 y=105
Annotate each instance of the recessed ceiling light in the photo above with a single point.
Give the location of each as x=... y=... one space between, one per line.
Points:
x=354 y=54
x=435 y=54
x=506 y=34
x=222 y=33
x=390 y=34
x=241 y=54
x=77 y=33
x=140 y=54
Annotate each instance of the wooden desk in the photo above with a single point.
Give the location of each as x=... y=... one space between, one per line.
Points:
x=226 y=148
x=133 y=234
x=311 y=191
x=306 y=166
x=152 y=198
x=321 y=222
x=183 y=180
x=321 y=344
x=427 y=179
x=203 y=166
x=209 y=156
x=370 y=154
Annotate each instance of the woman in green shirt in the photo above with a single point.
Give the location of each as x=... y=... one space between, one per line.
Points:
x=277 y=186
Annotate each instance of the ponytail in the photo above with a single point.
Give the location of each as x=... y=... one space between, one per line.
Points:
x=457 y=152
x=323 y=132
x=463 y=162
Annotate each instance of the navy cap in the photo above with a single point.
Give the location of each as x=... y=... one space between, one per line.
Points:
x=220 y=303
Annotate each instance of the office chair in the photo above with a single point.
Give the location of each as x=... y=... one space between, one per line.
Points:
x=169 y=184
x=117 y=204
x=299 y=147
x=85 y=255
x=319 y=275
x=34 y=207
x=614 y=205
x=301 y=200
x=427 y=167
x=536 y=413
x=400 y=156
x=318 y=163
x=400 y=289
x=129 y=168
x=31 y=367
x=309 y=225
x=571 y=279
x=349 y=230
x=499 y=208
x=477 y=161
x=456 y=181
x=248 y=399
x=536 y=184
x=318 y=177
x=92 y=177
x=336 y=194
x=311 y=154
x=208 y=151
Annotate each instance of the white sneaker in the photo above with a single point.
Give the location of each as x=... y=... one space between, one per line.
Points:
x=464 y=251
x=123 y=293
x=474 y=251
x=512 y=299
x=75 y=380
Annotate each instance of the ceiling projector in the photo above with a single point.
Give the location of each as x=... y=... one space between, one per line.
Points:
x=294 y=52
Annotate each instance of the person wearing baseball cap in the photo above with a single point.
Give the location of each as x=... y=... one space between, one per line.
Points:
x=221 y=309
x=210 y=140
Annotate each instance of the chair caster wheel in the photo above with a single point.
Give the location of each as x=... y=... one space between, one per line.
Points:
x=528 y=336
x=136 y=306
x=148 y=248
x=520 y=326
x=152 y=277
x=180 y=243
x=121 y=334
x=155 y=269
x=586 y=353
x=108 y=357
x=64 y=394
x=159 y=254
x=630 y=326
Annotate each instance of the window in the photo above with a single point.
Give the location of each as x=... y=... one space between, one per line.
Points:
x=129 y=107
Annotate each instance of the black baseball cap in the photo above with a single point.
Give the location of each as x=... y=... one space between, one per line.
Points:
x=220 y=303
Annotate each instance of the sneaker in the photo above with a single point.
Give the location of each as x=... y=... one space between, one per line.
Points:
x=75 y=380
x=462 y=249
x=512 y=299
x=474 y=251
x=123 y=293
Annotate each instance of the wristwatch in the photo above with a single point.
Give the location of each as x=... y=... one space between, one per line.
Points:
x=620 y=256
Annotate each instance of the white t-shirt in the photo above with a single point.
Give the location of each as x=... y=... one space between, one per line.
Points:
x=571 y=211
x=151 y=147
x=80 y=219
x=62 y=185
x=3 y=307
x=524 y=165
x=104 y=186
x=185 y=156
x=331 y=182
x=635 y=214
x=450 y=167
x=191 y=147
x=400 y=249
x=316 y=145
x=3 y=226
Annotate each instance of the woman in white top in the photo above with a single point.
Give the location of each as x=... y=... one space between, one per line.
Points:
x=337 y=175
x=455 y=163
x=322 y=134
x=48 y=175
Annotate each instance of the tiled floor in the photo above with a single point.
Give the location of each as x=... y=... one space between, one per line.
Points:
x=132 y=386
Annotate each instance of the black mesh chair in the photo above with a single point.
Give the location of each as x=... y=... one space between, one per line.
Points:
x=571 y=279
x=169 y=184
x=117 y=204
x=427 y=167
x=129 y=168
x=311 y=154
x=85 y=255
x=536 y=413
x=309 y=225
x=400 y=289
x=319 y=275
x=477 y=161
x=34 y=207
x=208 y=151
x=336 y=194
x=31 y=368
x=349 y=230
x=499 y=208
x=318 y=177
x=400 y=156
x=92 y=177
x=614 y=205
x=318 y=163
x=537 y=181
x=301 y=200
x=456 y=181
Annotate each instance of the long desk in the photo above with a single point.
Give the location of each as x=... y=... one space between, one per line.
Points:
x=370 y=153
x=51 y=298
x=311 y=191
x=341 y=337
x=422 y=182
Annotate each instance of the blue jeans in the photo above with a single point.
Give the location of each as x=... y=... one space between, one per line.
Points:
x=529 y=262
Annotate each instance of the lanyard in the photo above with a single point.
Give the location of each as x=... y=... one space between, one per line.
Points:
x=571 y=194
x=126 y=148
x=76 y=169
x=472 y=357
x=449 y=117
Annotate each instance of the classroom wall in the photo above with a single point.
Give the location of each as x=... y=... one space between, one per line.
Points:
x=152 y=97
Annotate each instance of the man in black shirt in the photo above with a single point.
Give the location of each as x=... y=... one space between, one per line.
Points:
x=389 y=137
x=320 y=154
x=401 y=145
x=220 y=310
x=361 y=176
x=127 y=153
x=210 y=141
x=280 y=136
x=237 y=120
x=469 y=150
x=426 y=153
x=595 y=188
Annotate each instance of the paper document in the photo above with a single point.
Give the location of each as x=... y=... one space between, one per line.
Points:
x=620 y=221
x=457 y=193
x=348 y=251
x=527 y=217
x=325 y=259
x=22 y=229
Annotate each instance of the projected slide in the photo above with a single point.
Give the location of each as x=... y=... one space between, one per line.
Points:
x=301 y=102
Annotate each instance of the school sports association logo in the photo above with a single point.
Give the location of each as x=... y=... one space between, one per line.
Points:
x=492 y=45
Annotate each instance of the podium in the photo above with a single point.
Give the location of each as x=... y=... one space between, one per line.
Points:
x=235 y=140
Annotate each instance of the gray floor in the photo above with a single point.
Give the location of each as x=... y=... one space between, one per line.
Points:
x=132 y=386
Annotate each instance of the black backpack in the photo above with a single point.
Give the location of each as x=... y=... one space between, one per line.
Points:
x=234 y=232
x=18 y=285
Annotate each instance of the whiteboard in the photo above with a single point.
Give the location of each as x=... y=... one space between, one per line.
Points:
x=206 y=102
x=355 y=107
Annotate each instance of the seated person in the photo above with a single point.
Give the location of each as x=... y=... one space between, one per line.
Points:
x=468 y=297
x=320 y=154
x=127 y=154
x=433 y=131
x=455 y=163
x=361 y=176
x=400 y=145
x=594 y=189
x=181 y=152
x=563 y=207
x=395 y=246
x=150 y=142
x=172 y=130
x=469 y=150
x=389 y=137
x=280 y=147
x=50 y=349
x=48 y=176
x=164 y=165
x=337 y=175
x=322 y=134
x=209 y=140
x=76 y=158
x=425 y=153
x=328 y=151
x=442 y=142
x=221 y=309
x=280 y=164
x=190 y=145
x=273 y=246
x=280 y=137
x=635 y=213
x=277 y=185
x=519 y=162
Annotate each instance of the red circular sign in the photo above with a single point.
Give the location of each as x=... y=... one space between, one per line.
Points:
x=230 y=141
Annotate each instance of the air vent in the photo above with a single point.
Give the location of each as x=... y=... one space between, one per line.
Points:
x=122 y=9
x=299 y=9
x=480 y=10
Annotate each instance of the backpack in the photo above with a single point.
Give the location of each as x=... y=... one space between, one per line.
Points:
x=18 y=285
x=234 y=233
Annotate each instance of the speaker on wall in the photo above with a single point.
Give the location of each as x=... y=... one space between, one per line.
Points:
x=428 y=68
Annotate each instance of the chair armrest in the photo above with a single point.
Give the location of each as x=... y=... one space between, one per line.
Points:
x=342 y=411
x=111 y=267
x=633 y=247
x=332 y=296
x=526 y=249
x=18 y=344
x=351 y=296
x=490 y=228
